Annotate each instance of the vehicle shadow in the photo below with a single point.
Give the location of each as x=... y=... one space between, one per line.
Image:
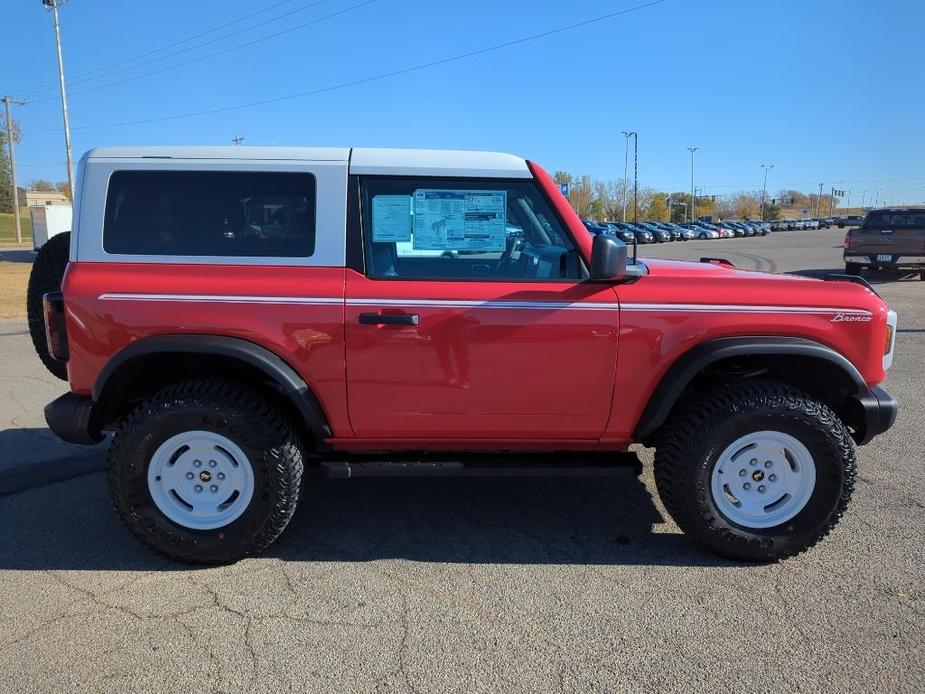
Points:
x=17 y=255
x=571 y=520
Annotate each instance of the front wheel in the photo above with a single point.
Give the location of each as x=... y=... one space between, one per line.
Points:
x=206 y=471
x=756 y=470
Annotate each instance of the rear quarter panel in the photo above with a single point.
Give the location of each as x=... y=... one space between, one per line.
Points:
x=309 y=337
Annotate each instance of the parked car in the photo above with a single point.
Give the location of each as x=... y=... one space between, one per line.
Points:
x=675 y=232
x=890 y=238
x=852 y=220
x=642 y=235
x=660 y=234
x=721 y=233
x=731 y=226
x=593 y=227
x=685 y=233
x=624 y=235
x=700 y=231
x=810 y=223
x=228 y=325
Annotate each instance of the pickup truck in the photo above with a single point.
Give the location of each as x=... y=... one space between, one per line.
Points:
x=891 y=238
x=243 y=320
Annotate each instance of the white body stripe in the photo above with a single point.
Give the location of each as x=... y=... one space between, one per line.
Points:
x=224 y=299
x=448 y=303
x=732 y=308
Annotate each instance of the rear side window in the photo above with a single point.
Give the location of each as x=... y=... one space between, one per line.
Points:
x=885 y=219
x=210 y=213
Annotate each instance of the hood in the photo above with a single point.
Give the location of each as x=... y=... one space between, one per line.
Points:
x=695 y=282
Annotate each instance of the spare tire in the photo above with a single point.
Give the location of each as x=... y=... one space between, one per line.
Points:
x=47 y=273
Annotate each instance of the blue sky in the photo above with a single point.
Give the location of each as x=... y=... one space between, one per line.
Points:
x=828 y=91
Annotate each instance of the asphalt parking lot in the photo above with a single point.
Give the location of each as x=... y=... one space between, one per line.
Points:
x=578 y=584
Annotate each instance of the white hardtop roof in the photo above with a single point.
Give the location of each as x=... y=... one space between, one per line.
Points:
x=363 y=160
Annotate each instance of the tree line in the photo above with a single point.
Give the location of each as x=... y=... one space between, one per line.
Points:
x=604 y=200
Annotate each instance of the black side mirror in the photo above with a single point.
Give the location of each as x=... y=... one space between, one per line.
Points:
x=608 y=258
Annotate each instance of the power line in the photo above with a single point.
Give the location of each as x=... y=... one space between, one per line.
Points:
x=385 y=75
x=52 y=85
x=221 y=52
x=197 y=47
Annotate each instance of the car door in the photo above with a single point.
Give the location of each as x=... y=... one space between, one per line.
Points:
x=470 y=318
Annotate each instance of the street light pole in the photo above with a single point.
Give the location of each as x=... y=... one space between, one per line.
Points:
x=9 y=137
x=692 y=210
x=764 y=188
x=53 y=6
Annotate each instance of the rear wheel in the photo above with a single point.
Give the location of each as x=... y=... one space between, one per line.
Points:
x=756 y=470
x=206 y=471
x=852 y=269
x=922 y=275
x=47 y=273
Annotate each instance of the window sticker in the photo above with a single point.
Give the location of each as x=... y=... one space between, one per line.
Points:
x=471 y=220
x=391 y=218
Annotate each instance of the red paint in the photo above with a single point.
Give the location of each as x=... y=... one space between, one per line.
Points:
x=469 y=376
x=563 y=209
x=478 y=371
x=309 y=338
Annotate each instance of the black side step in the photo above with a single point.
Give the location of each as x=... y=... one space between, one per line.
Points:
x=617 y=465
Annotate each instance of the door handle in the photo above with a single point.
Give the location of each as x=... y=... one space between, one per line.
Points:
x=389 y=318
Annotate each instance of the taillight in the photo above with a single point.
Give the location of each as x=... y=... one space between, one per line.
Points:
x=55 y=326
x=847 y=240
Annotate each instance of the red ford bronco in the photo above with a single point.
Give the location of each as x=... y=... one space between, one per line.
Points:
x=239 y=317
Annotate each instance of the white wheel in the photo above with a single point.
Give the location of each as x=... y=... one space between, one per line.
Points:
x=763 y=479
x=200 y=480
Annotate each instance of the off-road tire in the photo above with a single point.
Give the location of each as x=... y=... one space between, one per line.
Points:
x=688 y=448
x=852 y=268
x=47 y=273
x=922 y=275
x=243 y=414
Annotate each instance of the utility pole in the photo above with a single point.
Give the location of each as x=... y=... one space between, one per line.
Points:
x=692 y=211
x=53 y=6
x=863 y=195
x=764 y=188
x=626 y=151
x=7 y=100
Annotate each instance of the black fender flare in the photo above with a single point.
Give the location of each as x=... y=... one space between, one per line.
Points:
x=686 y=367
x=274 y=367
